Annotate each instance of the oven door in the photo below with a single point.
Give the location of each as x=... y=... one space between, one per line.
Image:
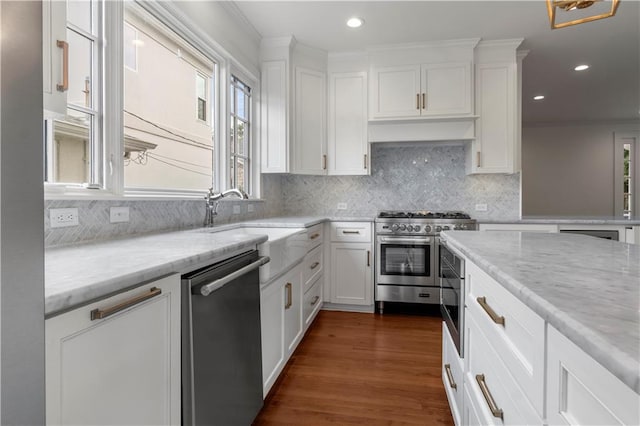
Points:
x=452 y=297
x=405 y=261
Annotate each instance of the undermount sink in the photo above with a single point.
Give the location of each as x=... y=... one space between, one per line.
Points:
x=285 y=247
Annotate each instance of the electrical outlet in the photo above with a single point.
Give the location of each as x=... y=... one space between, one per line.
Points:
x=236 y=209
x=119 y=214
x=250 y=208
x=342 y=206
x=59 y=218
x=481 y=207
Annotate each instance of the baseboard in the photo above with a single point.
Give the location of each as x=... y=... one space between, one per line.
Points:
x=348 y=308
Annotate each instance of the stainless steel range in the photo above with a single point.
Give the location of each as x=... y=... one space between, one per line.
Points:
x=407 y=254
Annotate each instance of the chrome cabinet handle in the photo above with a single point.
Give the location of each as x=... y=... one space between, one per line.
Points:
x=207 y=289
x=452 y=383
x=417 y=101
x=65 y=66
x=368 y=257
x=315 y=300
x=324 y=162
x=314 y=265
x=493 y=407
x=314 y=236
x=495 y=317
x=104 y=313
x=288 y=287
x=350 y=232
x=424 y=101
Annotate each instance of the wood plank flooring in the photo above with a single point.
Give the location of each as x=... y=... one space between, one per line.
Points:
x=354 y=369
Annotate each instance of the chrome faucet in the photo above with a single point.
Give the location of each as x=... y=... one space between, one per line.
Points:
x=212 y=200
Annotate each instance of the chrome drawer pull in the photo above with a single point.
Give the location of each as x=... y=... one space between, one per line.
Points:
x=315 y=300
x=314 y=265
x=495 y=317
x=350 y=232
x=314 y=236
x=452 y=383
x=100 y=314
x=493 y=407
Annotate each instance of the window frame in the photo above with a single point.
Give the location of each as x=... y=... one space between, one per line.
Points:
x=112 y=69
x=234 y=117
x=620 y=140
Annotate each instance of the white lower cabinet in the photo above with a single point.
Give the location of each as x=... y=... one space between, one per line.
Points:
x=312 y=302
x=452 y=375
x=351 y=263
x=106 y=365
x=281 y=323
x=582 y=392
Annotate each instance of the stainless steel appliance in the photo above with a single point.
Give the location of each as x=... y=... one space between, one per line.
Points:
x=407 y=254
x=452 y=293
x=221 y=346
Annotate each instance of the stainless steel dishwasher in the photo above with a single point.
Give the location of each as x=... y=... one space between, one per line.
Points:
x=221 y=346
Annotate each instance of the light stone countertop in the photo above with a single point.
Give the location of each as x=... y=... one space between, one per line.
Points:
x=566 y=220
x=587 y=288
x=79 y=274
x=301 y=221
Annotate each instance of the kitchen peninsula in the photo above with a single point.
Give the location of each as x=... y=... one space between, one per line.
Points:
x=561 y=313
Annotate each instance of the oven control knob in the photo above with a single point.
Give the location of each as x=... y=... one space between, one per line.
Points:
x=410 y=228
x=394 y=227
x=403 y=227
x=427 y=228
x=438 y=228
x=446 y=228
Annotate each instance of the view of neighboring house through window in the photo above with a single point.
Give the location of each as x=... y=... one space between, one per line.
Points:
x=627 y=180
x=168 y=136
x=73 y=142
x=239 y=135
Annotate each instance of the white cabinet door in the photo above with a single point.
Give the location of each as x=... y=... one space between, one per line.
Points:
x=580 y=391
x=272 y=326
x=446 y=89
x=275 y=117
x=452 y=375
x=123 y=369
x=497 y=140
x=292 y=310
x=348 y=147
x=54 y=30
x=351 y=274
x=395 y=92
x=309 y=145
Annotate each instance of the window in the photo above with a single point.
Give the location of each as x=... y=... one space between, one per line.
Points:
x=239 y=135
x=201 y=97
x=625 y=169
x=73 y=142
x=627 y=181
x=131 y=43
x=165 y=147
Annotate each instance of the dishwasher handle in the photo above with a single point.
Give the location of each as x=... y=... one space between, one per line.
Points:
x=207 y=289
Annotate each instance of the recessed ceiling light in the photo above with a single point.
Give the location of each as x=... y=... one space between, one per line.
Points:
x=581 y=67
x=355 y=22
x=538 y=97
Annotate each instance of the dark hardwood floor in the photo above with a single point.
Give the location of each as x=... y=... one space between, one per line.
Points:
x=354 y=369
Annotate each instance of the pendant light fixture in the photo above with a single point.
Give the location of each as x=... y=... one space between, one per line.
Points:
x=571 y=5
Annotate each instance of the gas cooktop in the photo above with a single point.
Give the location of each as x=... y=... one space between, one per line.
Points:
x=422 y=214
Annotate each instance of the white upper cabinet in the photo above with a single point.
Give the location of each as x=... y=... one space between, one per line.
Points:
x=309 y=146
x=446 y=89
x=54 y=58
x=275 y=117
x=348 y=148
x=395 y=92
x=496 y=148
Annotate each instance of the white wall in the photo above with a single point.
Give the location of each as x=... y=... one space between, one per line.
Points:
x=568 y=169
x=21 y=204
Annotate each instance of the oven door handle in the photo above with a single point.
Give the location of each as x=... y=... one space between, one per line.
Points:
x=424 y=241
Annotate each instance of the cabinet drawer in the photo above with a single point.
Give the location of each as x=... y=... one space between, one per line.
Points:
x=312 y=267
x=359 y=232
x=314 y=236
x=312 y=301
x=452 y=375
x=486 y=369
x=519 y=341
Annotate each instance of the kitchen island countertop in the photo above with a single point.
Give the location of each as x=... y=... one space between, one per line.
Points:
x=587 y=288
x=568 y=220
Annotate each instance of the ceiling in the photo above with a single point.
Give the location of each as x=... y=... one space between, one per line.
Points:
x=608 y=90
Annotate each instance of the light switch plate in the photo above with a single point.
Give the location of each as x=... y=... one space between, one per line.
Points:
x=342 y=206
x=119 y=214
x=481 y=207
x=60 y=218
x=236 y=209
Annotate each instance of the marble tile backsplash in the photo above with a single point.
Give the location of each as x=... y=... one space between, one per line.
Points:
x=417 y=177
x=148 y=216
